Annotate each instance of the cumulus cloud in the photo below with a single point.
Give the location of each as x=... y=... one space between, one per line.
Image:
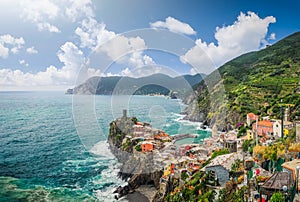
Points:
x=31 y=50
x=72 y=59
x=45 y=26
x=44 y=12
x=121 y=45
x=246 y=34
x=127 y=51
x=93 y=34
x=272 y=36
x=174 y=25
x=119 y=48
x=78 y=9
x=23 y=62
x=40 y=13
x=8 y=42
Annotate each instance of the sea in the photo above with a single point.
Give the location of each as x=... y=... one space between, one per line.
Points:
x=42 y=153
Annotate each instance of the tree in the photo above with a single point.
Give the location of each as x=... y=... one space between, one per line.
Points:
x=236 y=165
x=277 y=197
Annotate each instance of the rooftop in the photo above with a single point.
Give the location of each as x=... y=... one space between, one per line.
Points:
x=265 y=123
x=225 y=160
x=278 y=180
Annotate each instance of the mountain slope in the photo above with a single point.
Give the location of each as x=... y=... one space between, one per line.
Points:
x=254 y=82
x=154 y=84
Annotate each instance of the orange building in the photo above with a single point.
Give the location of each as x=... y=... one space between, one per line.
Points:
x=251 y=117
x=147 y=146
x=264 y=128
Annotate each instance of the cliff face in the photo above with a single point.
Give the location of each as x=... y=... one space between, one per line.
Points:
x=137 y=168
x=254 y=82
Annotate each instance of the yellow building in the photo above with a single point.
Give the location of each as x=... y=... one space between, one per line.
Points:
x=250 y=135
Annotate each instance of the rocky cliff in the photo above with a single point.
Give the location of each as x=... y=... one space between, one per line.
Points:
x=137 y=168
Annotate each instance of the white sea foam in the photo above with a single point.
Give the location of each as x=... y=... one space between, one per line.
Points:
x=108 y=175
x=101 y=149
x=179 y=118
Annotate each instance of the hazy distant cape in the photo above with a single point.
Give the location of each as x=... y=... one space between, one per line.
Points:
x=153 y=84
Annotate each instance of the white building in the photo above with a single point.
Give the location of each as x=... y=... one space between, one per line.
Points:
x=277 y=127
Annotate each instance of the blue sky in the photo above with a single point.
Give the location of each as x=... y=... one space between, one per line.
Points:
x=43 y=44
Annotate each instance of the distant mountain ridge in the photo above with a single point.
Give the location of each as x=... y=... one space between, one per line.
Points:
x=153 y=84
x=254 y=82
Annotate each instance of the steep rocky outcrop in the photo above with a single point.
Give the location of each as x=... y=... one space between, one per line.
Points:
x=137 y=169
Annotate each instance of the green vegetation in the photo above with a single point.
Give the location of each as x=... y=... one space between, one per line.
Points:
x=139 y=86
x=255 y=82
x=277 y=197
x=242 y=131
x=184 y=176
x=138 y=148
x=231 y=193
x=237 y=165
x=215 y=154
x=196 y=189
x=247 y=146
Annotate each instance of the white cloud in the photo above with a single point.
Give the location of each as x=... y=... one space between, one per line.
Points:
x=127 y=51
x=45 y=26
x=137 y=59
x=121 y=49
x=31 y=50
x=246 y=34
x=93 y=34
x=121 y=45
x=3 y=51
x=72 y=59
x=21 y=62
x=77 y=9
x=43 y=13
x=8 y=42
x=272 y=36
x=175 y=26
x=40 y=12
x=147 y=71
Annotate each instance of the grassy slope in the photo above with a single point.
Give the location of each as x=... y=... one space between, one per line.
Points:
x=257 y=82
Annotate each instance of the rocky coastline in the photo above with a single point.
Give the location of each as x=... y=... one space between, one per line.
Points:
x=136 y=170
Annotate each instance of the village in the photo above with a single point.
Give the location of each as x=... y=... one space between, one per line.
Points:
x=260 y=157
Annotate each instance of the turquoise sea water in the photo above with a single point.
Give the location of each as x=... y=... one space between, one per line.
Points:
x=42 y=157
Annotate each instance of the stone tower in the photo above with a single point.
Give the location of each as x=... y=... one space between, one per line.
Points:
x=297 y=131
x=124 y=113
x=286 y=114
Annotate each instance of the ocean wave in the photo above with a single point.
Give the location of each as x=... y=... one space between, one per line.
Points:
x=101 y=149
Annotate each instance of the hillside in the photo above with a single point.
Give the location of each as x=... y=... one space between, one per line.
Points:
x=254 y=82
x=154 y=84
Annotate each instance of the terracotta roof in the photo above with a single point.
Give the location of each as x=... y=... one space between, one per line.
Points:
x=278 y=180
x=267 y=123
x=252 y=115
x=292 y=165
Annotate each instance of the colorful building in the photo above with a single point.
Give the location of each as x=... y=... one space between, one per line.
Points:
x=147 y=146
x=250 y=135
x=251 y=117
x=291 y=167
x=264 y=128
x=287 y=125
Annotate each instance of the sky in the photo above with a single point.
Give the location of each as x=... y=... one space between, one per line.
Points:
x=50 y=44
